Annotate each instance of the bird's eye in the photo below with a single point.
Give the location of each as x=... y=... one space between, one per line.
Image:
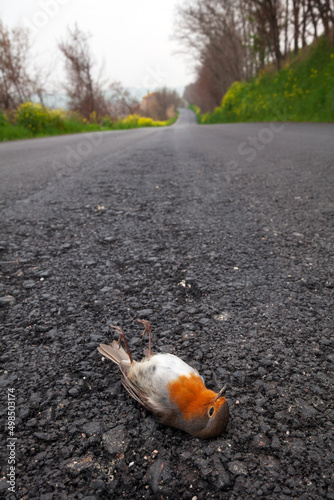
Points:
x=211 y=411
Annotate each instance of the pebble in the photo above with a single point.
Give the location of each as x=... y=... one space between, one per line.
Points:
x=116 y=441
x=261 y=441
x=79 y=464
x=7 y=300
x=29 y=284
x=237 y=468
x=145 y=313
x=92 y=428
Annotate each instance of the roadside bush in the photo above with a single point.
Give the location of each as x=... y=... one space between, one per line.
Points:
x=107 y=122
x=34 y=120
x=37 y=118
x=303 y=90
x=197 y=111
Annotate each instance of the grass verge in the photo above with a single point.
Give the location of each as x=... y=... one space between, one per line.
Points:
x=33 y=120
x=301 y=91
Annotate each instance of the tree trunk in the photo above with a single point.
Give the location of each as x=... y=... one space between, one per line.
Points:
x=296 y=25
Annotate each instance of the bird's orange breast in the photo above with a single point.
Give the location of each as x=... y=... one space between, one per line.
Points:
x=190 y=395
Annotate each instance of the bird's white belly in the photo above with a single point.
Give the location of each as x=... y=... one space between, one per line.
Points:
x=164 y=368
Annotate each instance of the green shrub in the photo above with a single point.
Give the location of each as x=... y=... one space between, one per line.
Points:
x=197 y=111
x=301 y=91
x=35 y=120
x=2 y=119
x=107 y=122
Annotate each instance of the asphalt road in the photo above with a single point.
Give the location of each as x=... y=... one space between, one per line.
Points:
x=27 y=166
x=222 y=236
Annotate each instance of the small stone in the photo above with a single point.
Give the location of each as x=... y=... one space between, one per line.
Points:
x=29 y=284
x=52 y=334
x=7 y=300
x=271 y=464
x=80 y=464
x=47 y=496
x=32 y=422
x=223 y=480
x=116 y=441
x=43 y=328
x=4 y=484
x=145 y=313
x=47 y=437
x=66 y=246
x=237 y=468
x=92 y=428
x=90 y=263
x=305 y=410
x=275 y=443
x=240 y=374
x=45 y=273
x=158 y=473
x=97 y=484
x=204 y=466
x=74 y=392
x=261 y=441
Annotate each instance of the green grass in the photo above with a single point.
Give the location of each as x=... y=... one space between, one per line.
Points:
x=33 y=120
x=302 y=91
x=197 y=112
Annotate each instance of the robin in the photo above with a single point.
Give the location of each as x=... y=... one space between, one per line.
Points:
x=172 y=390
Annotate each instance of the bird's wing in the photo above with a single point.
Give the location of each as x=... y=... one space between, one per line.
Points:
x=147 y=381
x=136 y=393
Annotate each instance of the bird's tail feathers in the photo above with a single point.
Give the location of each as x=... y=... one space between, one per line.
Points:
x=114 y=352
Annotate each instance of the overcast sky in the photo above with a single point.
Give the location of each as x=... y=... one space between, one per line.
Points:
x=132 y=37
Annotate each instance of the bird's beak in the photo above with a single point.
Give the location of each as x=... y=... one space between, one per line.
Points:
x=220 y=393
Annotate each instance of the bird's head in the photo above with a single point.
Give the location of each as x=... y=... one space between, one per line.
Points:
x=202 y=413
x=214 y=418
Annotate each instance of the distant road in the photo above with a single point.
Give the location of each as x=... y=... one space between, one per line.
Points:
x=28 y=165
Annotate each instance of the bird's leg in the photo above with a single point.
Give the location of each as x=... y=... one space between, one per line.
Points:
x=147 y=328
x=122 y=336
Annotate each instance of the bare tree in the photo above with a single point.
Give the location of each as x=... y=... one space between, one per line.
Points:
x=232 y=40
x=85 y=91
x=314 y=16
x=16 y=83
x=269 y=16
x=215 y=30
x=296 y=5
x=326 y=14
x=205 y=92
x=161 y=104
x=122 y=103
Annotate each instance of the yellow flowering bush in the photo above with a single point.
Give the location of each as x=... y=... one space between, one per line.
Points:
x=32 y=119
x=130 y=121
x=37 y=118
x=232 y=96
x=93 y=117
x=145 y=122
x=134 y=121
x=301 y=91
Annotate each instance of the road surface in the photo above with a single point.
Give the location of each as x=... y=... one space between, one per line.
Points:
x=221 y=236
